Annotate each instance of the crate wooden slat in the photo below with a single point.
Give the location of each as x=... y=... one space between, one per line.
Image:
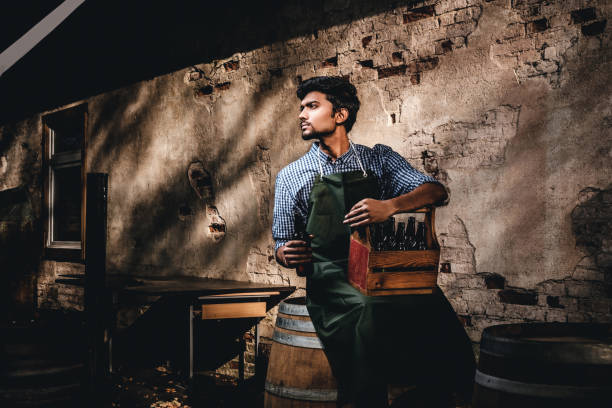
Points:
x=405 y=259
x=386 y=273
x=402 y=280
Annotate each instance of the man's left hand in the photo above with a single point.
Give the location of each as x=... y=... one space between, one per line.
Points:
x=368 y=211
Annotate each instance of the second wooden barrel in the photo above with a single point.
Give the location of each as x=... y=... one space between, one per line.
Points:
x=545 y=365
x=299 y=374
x=41 y=364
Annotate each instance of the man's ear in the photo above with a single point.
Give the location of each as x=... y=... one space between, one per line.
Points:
x=341 y=116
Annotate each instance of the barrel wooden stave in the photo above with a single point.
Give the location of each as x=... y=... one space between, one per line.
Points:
x=41 y=364
x=298 y=376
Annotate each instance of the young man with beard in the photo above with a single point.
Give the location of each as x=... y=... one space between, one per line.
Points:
x=369 y=341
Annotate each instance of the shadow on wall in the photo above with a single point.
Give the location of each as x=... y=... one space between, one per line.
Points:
x=154 y=204
x=592 y=226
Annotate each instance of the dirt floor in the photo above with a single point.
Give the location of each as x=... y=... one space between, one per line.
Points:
x=161 y=388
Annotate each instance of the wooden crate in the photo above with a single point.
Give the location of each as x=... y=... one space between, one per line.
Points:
x=380 y=273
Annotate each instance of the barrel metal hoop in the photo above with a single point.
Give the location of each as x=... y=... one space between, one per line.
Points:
x=540 y=390
x=319 y=395
x=560 y=352
x=297 y=325
x=298 y=341
x=295 y=310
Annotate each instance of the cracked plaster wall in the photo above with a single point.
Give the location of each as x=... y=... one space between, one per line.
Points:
x=505 y=101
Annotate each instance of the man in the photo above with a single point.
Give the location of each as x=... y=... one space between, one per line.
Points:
x=337 y=185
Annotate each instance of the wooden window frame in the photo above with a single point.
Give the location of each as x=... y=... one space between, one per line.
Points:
x=71 y=251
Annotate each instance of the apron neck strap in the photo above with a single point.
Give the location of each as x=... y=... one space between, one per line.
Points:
x=352 y=146
x=365 y=174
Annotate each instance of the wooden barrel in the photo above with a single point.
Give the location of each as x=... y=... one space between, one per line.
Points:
x=299 y=374
x=41 y=365
x=545 y=365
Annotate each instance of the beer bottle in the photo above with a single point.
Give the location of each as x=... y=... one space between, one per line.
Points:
x=389 y=235
x=300 y=234
x=409 y=235
x=420 y=236
x=400 y=242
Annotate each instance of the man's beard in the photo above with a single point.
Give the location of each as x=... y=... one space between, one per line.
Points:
x=316 y=135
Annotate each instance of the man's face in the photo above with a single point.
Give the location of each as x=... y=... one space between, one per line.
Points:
x=317 y=117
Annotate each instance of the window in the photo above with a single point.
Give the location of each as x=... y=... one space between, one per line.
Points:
x=64 y=179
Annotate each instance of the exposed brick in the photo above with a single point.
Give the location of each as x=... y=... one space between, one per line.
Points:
x=463 y=255
x=391 y=71
x=518 y=296
x=556 y=316
x=467 y=14
x=583 y=15
x=418 y=14
x=524 y=312
x=513 y=31
x=552 y=288
x=449 y=5
x=588 y=274
x=579 y=289
x=460 y=29
x=446 y=19
x=495 y=309
x=459 y=305
x=594 y=28
x=576 y=317
x=560 y=20
x=550 y=53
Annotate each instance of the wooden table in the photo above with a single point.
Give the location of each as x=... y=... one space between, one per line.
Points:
x=203 y=298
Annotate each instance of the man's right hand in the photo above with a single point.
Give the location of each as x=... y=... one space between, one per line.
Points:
x=294 y=253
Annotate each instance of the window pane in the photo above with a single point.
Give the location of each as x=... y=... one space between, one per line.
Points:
x=67 y=138
x=67 y=204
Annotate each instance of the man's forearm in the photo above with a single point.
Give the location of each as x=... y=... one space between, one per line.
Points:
x=424 y=195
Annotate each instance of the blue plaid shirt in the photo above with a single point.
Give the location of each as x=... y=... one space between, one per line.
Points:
x=293 y=183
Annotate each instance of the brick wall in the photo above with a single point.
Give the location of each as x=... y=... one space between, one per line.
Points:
x=505 y=101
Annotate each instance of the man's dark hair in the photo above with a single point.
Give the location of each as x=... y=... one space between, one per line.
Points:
x=340 y=92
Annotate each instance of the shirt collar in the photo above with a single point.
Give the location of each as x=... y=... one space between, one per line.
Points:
x=315 y=150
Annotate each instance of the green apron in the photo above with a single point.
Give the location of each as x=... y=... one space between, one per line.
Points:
x=372 y=341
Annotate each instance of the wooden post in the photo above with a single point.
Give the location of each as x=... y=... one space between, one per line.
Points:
x=96 y=299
